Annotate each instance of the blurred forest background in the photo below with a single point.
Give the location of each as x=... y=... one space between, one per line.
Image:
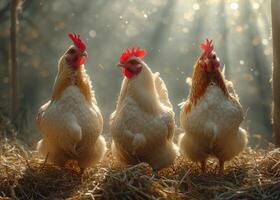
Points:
x=170 y=30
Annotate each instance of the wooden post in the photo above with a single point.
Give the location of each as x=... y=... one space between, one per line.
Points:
x=13 y=57
x=275 y=8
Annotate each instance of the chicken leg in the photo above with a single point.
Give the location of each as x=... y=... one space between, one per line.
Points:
x=221 y=167
x=203 y=165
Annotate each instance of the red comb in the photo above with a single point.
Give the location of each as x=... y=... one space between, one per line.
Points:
x=133 y=52
x=207 y=46
x=77 y=41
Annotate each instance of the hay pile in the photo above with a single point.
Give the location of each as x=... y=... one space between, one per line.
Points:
x=255 y=174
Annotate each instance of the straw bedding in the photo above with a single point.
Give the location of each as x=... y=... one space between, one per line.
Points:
x=254 y=174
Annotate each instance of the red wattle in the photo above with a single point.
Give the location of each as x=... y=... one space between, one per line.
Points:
x=127 y=73
x=81 y=60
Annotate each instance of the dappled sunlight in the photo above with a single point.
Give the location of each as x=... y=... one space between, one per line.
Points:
x=171 y=32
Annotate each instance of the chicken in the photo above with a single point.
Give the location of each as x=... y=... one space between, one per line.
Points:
x=142 y=126
x=71 y=122
x=212 y=114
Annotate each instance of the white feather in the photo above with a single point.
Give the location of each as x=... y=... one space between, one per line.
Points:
x=213 y=123
x=143 y=124
x=71 y=127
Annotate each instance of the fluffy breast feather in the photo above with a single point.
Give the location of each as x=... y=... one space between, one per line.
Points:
x=73 y=101
x=214 y=113
x=131 y=117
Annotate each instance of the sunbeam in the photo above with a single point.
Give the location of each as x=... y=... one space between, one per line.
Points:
x=171 y=31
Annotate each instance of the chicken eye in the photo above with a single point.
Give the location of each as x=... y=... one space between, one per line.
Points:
x=71 y=51
x=133 y=62
x=214 y=56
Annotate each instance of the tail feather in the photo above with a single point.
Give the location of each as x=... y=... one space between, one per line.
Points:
x=224 y=71
x=230 y=89
x=162 y=90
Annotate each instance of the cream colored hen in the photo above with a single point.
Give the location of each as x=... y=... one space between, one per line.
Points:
x=143 y=123
x=212 y=114
x=71 y=122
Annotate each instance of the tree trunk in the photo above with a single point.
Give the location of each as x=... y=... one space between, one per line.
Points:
x=275 y=7
x=13 y=57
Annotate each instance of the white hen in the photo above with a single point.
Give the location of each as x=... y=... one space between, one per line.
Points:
x=71 y=122
x=212 y=114
x=143 y=123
